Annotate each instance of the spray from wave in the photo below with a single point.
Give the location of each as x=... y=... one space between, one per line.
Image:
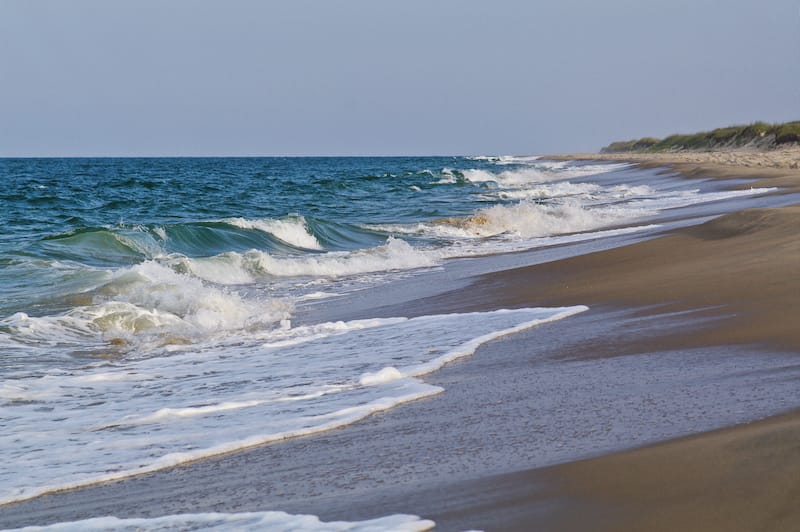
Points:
x=143 y=307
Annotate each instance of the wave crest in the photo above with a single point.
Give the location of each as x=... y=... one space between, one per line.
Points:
x=292 y=230
x=146 y=306
x=394 y=255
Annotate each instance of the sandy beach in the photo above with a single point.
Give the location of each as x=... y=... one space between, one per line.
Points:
x=729 y=285
x=783 y=158
x=745 y=265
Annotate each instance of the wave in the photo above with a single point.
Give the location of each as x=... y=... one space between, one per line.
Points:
x=528 y=219
x=160 y=296
x=506 y=159
x=586 y=192
x=538 y=172
x=524 y=219
x=179 y=299
x=559 y=208
x=291 y=230
x=144 y=306
x=449 y=176
x=124 y=245
x=101 y=246
x=239 y=268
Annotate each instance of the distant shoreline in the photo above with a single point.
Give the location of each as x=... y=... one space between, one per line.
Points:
x=757 y=135
x=733 y=160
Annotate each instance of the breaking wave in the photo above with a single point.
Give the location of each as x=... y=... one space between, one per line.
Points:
x=141 y=307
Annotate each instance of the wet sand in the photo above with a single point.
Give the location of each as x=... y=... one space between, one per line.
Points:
x=460 y=458
x=742 y=478
x=745 y=265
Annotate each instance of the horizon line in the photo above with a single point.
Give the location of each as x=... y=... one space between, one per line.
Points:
x=258 y=156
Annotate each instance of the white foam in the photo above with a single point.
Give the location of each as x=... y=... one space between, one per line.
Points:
x=308 y=333
x=244 y=521
x=115 y=377
x=470 y=242
x=506 y=159
x=518 y=159
x=491 y=158
x=161 y=233
x=588 y=193
x=22 y=392
x=508 y=178
x=292 y=230
x=556 y=208
x=186 y=402
x=683 y=198
x=385 y=375
x=149 y=302
x=529 y=219
x=391 y=373
x=538 y=172
x=569 y=171
x=316 y=296
x=225 y=268
x=165 y=413
x=255 y=265
x=394 y=255
x=523 y=220
x=448 y=177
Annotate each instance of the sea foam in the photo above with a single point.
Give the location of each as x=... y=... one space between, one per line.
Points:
x=147 y=303
x=232 y=268
x=245 y=521
x=178 y=403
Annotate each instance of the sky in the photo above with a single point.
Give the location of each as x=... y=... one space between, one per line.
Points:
x=380 y=77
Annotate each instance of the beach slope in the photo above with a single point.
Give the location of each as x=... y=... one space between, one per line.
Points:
x=744 y=267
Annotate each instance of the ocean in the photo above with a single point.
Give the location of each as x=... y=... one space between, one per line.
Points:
x=155 y=311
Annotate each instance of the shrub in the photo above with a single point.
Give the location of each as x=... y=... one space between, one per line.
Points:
x=758 y=134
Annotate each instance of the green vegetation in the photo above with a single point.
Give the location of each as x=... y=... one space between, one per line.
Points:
x=759 y=135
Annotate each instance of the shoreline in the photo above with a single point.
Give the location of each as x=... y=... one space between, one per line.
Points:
x=743 y=477
x=696 y=270
x=777 y=159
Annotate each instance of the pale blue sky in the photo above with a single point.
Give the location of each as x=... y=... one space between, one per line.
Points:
x=373 y=77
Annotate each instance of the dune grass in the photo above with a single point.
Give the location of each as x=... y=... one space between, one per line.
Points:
x=758 y=135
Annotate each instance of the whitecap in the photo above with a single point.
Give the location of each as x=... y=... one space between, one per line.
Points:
x=293 y=230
